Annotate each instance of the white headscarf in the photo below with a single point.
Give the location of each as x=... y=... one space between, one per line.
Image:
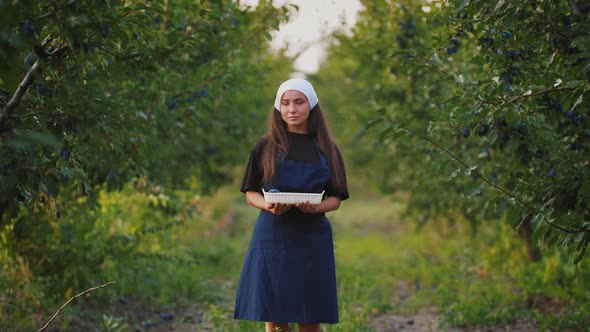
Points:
x=300 y=85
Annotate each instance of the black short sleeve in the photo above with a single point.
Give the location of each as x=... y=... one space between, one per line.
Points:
x=301 y=148
x=254 y=172
x=342 y=191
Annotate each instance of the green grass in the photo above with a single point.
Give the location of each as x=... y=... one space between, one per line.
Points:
x=390 y=265
x=385 y=265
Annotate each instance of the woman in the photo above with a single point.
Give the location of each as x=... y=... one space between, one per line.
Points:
x=288 y=273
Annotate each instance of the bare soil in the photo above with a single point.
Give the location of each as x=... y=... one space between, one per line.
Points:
x=429 y=322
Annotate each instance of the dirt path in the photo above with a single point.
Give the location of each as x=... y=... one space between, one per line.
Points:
x=420 y=322
x=140 y=316
x=429 y=322
x=143 y=316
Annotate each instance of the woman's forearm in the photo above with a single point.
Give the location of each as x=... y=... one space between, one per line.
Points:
x=331 y=203
x=256 y=199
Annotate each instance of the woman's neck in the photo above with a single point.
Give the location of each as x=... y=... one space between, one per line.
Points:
x=297 y=130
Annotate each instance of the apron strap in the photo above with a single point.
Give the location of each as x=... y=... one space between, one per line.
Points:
x=322 y=158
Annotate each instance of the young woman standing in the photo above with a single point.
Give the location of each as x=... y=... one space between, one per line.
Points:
x=288 y=273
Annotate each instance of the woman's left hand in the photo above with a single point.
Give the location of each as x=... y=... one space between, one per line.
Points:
x=307 y=207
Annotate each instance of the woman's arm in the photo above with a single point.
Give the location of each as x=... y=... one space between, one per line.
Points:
x=256 y=199
x=331 y=203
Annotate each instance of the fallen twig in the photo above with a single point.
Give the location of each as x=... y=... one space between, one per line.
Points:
x=70 y=300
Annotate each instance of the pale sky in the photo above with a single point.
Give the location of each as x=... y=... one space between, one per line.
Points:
x=305 y=29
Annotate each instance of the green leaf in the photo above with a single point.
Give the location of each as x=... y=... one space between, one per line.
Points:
x=585 y=190
x=573 y=84
x=399 y=52
x=578 y=101
x=470 y=170
x=455 y=173
x=514 y=217
x=499 y=4
x=373 y=122
x=384 y=133
x=52 y=185
x=582 y=251
x=510 y=115
x=275 y=25
x=26 y=139
x=477 y=190
x=460 y=4
x=268 y=35
x=397 y=135
x=86 y=188
x=537 y=221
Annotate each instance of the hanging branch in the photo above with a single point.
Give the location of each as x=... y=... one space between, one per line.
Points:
x=495 y=104
x=497 y=187
x=487 y=101
x=231 y=58
x=20 y=92
x=574 y=6
x=46 y=15
x=27 y=81
x=70 y=300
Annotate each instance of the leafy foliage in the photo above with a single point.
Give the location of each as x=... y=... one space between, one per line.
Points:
x=101 y=94
x=482 y=109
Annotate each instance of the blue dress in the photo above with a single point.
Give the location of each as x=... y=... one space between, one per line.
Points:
x=289 y=273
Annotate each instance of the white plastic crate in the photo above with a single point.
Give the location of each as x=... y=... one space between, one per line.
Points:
x=292 y=198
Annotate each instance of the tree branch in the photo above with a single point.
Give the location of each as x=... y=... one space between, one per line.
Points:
x=20 y=92
x=46 y=15
x=23 y=116
x=27 y=82
x=492 y=102
x=538 y=93
x=497 y=187
x=70 y=300
x=461 y=86
x=574 y=6
x=230 y=59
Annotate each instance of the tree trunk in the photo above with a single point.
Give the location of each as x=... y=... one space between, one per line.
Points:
x=526 y=232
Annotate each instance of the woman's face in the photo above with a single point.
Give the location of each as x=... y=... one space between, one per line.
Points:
x=295 y=111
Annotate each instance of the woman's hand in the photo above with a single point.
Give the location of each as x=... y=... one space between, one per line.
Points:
x=256 y=199
x=278 y=208
x=307 y=207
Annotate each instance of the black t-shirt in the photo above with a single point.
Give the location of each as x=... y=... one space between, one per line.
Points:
x=301 y=148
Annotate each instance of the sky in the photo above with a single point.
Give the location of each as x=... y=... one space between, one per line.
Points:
x=305 y=29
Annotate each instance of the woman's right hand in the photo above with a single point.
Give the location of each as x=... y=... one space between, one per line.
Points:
x=256 y=199
x=278 y=208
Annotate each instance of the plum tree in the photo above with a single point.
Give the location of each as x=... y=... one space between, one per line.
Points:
x=105 y=101
x=519 y=67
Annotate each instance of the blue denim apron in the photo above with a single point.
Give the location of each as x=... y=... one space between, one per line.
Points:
x=288 y=273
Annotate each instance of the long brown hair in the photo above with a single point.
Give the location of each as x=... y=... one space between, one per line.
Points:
x=276 y=136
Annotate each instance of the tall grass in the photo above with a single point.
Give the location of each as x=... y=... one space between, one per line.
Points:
x=385 y=265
